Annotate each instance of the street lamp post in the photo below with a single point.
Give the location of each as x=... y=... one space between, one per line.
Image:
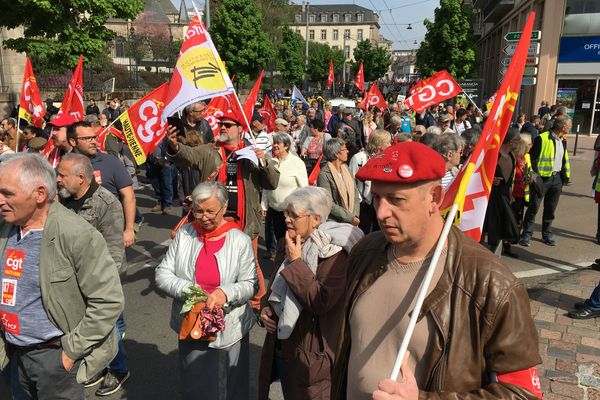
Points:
x=306 y=52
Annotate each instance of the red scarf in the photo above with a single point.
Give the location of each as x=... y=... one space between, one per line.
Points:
x=222 y=177
x=203 y=235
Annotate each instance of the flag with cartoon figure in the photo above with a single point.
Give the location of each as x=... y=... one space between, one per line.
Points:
x=199 y=72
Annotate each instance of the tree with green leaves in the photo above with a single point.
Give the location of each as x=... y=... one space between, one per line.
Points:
x=290 y=56
x=319 y=55
x=376 y=60
x=243 y=45
x=276 y=14
x=56 y=32
x=448 y=43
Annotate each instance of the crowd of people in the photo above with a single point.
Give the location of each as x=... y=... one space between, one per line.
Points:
x=349 y=201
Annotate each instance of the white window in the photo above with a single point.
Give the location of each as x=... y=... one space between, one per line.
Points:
x=336 y=18
x=346 y=33
x=311 y=19
x=323 y=17
x=346 y=51
x=298 y=18
x=359 y=18
x=311 y=34
x=323 y=34
x=347 y=17
x=336 y=34
x=359 y=34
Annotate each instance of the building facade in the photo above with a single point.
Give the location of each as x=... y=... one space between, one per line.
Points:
x=404 y=64
x=565 y=71
x=341 y=26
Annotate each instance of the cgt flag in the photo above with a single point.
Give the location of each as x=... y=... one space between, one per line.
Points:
x=73 y=100
x=471 y=188
x=269 y=114
x=142 y=125
x=219 y=107
x=199 y=73
x=374 y=98
x=31 y=108
x=250 y=102
x=439 y=87
x=359 y=80
x=330 y=77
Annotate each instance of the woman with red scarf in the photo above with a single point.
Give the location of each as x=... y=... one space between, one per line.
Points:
x=215 y=255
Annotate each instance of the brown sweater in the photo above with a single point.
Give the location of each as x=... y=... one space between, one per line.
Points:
x=378 y=321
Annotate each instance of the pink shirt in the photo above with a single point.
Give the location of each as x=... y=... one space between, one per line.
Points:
x=207 y=270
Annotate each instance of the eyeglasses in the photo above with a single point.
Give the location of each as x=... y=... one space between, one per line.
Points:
x=227 y=124
x=292 y=216
x=207 y=214
x=86 y=138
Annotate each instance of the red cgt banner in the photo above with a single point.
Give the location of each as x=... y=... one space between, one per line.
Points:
x=439 y=87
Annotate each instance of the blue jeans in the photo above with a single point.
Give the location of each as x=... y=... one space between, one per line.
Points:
x=162 y=182
x=119 y=363
x=594 y=301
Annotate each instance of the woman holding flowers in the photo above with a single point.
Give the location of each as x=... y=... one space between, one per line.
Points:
x=209 y=272
x=304 y=305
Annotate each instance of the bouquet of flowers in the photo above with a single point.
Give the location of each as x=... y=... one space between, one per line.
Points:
x=200 y=322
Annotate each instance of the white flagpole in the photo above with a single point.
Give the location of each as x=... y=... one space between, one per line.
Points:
x=18 y=133
x=423 y=292
x=108 y=126
x=471 y=100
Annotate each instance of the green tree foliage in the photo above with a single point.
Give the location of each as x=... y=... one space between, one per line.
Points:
x=243 y=45
x=319 y=55
x=56 y=32
x=448 y=43
x=276 y=14
x=376 y=60
x=290 y=56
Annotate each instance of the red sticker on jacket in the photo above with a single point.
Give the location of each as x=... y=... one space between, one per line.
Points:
x=10 y=322
x=9 y=292
x=14 y=263
x=527 y=379
x=98 y=177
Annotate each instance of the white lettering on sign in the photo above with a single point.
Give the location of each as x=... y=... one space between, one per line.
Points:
x=147 y=131
x=592 y=46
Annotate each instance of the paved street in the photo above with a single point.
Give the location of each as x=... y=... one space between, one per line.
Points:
x=556 y=278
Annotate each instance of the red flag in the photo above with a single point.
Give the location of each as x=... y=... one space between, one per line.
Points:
x=439 y=87
x=220 y=107
x=142 y=123
x=269 y=114
x=373 y=98
x=330 y=77
x=471 y=188
x=31 y=108
x=359 y=81
x=248 y=106
x=73 y=100
x=416 y=86
x=102 y=133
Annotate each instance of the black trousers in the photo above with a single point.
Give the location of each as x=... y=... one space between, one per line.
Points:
x=550 y=196
x=368 y=218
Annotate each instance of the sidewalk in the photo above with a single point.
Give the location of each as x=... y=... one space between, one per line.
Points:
x=570 y=348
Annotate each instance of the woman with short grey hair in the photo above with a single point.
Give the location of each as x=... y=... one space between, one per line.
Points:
x=292 y=175
x=217 y=257
x=306 y=298
x=339 y=181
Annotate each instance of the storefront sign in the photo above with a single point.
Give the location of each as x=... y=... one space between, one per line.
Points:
x=472 y=87
x=579 y=49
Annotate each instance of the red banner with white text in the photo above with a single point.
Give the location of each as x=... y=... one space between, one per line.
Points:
x=437 y=88
x=73 y=100
x=31 y=108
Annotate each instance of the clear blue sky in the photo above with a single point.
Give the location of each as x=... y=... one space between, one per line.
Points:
x=394 y=15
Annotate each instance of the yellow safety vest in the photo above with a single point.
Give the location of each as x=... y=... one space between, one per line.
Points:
x=545 y=162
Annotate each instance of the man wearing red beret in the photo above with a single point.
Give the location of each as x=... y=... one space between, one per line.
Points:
x=475 y=337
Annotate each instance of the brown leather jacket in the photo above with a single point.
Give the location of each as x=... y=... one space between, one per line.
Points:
x=483 y=320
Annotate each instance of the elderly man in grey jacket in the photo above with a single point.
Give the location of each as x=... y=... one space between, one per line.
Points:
x=79 y=192
x=61 y=294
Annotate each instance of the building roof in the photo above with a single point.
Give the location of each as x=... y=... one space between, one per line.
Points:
x=168 y=7
x=368 y=16
x=155 y=11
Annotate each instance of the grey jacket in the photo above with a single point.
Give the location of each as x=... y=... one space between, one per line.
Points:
x=80 y=286
x=177 y=272
x=338 y=212
x=105 y=213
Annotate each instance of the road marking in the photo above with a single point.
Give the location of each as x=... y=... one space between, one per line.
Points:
x=556 y=268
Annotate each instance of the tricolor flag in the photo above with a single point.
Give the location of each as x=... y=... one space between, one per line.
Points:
x=470 y=190
x=373 y=98
x=330 y=77
x=359 y=80
x=269 y=114
x=250 y=102
x=297 y=96
x=142 y=125
x=73 y=100
x=199 y=73
x=31 y=108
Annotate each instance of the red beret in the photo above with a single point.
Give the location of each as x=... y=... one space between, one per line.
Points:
x=405 y=162
x=63 y=119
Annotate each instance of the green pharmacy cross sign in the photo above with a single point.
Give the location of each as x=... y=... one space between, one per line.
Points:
x=515 y=36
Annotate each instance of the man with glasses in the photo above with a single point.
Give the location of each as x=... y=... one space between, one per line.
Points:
x=193 y=121
x=108 y=172
x=243 y=178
